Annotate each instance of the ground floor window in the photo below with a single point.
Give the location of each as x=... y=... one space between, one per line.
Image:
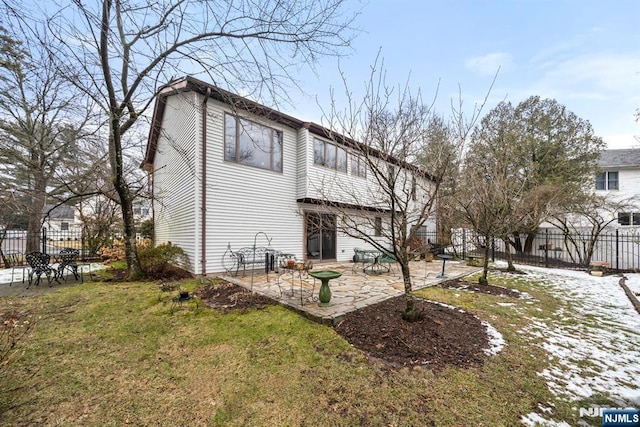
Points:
x=629 y=218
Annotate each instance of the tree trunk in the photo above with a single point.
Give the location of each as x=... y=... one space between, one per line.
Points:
x=134 y=269
x=410 y=314
x=485 y=268
x=528 y=244
x=507 y=253
x=34 y=226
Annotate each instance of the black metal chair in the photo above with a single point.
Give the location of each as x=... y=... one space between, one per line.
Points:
x=68 y=261
x=39 y=263
x=16 y=261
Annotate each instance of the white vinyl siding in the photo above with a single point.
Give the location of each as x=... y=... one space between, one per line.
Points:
x=244 y=202
x=174 y=175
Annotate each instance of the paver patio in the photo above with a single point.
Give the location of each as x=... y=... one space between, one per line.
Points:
x=352 y=291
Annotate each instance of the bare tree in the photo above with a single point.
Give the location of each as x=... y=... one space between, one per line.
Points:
x=119 y=52
x=583 y=219
x=42 y=130
x=405 y=152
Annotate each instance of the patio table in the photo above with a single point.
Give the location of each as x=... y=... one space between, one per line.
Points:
x=444 y=258
x=375 y=266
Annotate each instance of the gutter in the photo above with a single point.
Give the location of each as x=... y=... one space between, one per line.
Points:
x=203 y=230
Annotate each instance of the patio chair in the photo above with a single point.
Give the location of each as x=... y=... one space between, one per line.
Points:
x=39 y=263
x=15 y=261
x=389 y=259
x=68 y=261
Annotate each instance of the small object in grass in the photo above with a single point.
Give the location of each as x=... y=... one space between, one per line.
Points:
x=184 y=295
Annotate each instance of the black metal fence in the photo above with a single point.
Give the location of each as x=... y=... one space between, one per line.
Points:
x=552 y=248
x=48 y=241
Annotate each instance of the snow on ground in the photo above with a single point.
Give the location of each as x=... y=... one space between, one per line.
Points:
x=5 y=273
x=594 y=348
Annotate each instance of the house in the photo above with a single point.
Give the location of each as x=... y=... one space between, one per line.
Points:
x=61 y=218
x=620 y=180
x=227 y=172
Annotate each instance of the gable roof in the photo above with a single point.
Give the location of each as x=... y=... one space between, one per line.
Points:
x=625 y=158
x=190 y=84
x=59 y=212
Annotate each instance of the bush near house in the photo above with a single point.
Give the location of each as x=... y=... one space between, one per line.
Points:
x=164 y=261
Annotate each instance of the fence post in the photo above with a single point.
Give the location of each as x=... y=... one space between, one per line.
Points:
x=44 y=240
x=546 y=248
x=617 y=250
x=464 y=243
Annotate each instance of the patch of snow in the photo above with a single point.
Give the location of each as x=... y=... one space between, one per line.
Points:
x=496 y=341
x=5 y=273
x=535 y=420
x=594 y=340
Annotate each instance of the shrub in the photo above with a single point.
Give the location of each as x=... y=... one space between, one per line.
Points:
x=164 y=261
x=116 y=251
x=146 y=229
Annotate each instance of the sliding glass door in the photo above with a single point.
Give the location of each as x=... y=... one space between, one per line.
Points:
x=320 y=236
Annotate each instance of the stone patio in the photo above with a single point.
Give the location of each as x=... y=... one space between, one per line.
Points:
x=353 y=290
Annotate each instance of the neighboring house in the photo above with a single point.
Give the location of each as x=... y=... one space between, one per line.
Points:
x=62 y=218
x=225 y=169
x=620 y=180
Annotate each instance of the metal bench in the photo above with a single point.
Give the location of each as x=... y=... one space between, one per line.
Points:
x=254 y=258
x=363 y=257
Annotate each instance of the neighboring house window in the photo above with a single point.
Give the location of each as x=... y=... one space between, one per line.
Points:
x=358 y=166
x=64 y=226
x=607 y=181
x=378 y=226
x=252 y=144
x=329 y=155
x=629 y=218
x=141 y=210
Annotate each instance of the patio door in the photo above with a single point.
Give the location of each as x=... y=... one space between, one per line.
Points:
x=320 y=236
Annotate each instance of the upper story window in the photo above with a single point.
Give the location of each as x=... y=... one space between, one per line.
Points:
x=329 y=155
x=629 y=218
x=252 y=144
x=358 y=166
x=607 y=181
x=377 y=226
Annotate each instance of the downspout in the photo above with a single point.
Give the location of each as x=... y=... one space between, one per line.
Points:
x=203 y=230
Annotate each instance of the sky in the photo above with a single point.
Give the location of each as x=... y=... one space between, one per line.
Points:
x=584 y=54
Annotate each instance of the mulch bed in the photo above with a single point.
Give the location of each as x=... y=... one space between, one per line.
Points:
x=226 y=296
x=443 y=337
x=476 y=287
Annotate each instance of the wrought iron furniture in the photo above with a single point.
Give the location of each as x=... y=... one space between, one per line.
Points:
x=39 y=263
x=254 y=257
x=364 y=257
x=68 y=260
x=16 y=261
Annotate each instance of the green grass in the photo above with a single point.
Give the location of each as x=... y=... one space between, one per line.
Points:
x=114 y=354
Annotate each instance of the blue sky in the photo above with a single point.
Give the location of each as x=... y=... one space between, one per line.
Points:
x=585 y=54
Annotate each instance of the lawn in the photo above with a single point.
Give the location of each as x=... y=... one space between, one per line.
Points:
x=104 y=353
